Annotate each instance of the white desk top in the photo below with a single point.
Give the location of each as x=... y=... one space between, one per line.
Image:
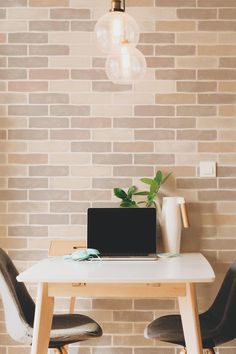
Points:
x=189 y=267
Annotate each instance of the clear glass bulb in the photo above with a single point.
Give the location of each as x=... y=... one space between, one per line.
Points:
x=126 y=66
x=113 y=28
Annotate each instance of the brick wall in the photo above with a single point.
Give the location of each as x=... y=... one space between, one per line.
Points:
x=68 y=136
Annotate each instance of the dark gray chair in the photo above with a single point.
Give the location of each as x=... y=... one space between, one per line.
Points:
x=19 y=309
x=218 y=323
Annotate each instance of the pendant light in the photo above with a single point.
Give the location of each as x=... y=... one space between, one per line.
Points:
x=115 y=26
x=126 y=66
x=117 y=35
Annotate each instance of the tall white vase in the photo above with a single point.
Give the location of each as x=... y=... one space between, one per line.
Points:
x=171 y=223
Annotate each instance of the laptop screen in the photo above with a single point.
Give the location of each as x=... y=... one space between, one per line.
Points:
x=122 y=231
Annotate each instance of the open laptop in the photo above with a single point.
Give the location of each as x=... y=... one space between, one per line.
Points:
x=123 y=233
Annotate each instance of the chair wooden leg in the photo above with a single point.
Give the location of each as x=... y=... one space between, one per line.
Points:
x=56 y=351
x=64 y=350
x=209 y=351
x=183 y=351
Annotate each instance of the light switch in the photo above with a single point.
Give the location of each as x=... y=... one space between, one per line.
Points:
x=207 y=169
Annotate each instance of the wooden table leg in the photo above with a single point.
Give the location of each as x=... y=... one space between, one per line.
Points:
x=190 y=320
x=42 y=320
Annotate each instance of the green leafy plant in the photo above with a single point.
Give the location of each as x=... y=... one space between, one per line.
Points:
x=151 y=195
x=154 y=186
x=127 y=198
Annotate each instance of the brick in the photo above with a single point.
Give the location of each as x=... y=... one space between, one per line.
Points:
x=146 y=49
x=70 y=159
x=48 y=122
x=28 y=183
x=196 y=14
x=90 y=195
x=48 y=195
x=176 y=3
x=27 y=159
x=48 y=219
x=27 y=134
x=133 y=171
x=154 y=134
x=91 y=171
x=217 y=26
x=227 y=183
x=48 y=98
x=227 y=62
x=24 y=231
x=48 y=74
x=13 y=3
x=196 y=86
x=177 y=74
x=196 y=183
x=220 y=50
x=229 y=14
x=217 y=147
x=27 y=37
x=189 y=134
x=110 y=183
x=226 y=171
x=132 y=122
x=70 y=134
x=13 y=49
x=153 y=110
x=217 y=195
x=28 y=62
x=28 y=86
x=48 y=49
x=45 y=146
x=83 y=26
x=175 y=26
x=92 y=122
x=133 y=147
x=109 y=86
x=13 y=195
x=175 y=123
x=48 y=170
x=69 y=207
x=216 y=98
x=112 y=159
x=12 y=74
x=196 y=110
x=71 y=13
x=157 y=38
x=153 y=159
x=69 y=110
x=174 y=50
x=48 y=25
x=154 y=62
x=92 y=146
x=49 y=3
x=175 y=98
x=216 y=3
x=91 y=74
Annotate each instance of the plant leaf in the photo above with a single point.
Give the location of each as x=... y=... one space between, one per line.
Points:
x=146 y=180
x=154 y=187
x=131 y=191
x=141 y=193
x=158 y=178
x=120 y=193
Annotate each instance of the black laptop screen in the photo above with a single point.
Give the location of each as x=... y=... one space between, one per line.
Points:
x=122 y=231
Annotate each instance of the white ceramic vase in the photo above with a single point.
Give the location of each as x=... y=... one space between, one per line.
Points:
x=171 y=223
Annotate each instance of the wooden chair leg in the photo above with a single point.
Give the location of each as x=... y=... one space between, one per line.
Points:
x=56 y=351
x=209 y=351
x=64 y=350
x=183 y=351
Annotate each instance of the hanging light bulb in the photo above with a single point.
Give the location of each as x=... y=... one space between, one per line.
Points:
x=115 y=27
x=126 y=65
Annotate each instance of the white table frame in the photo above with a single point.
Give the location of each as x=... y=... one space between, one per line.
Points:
x=177 y=280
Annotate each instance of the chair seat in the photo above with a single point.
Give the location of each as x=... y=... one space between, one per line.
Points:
x=169 y=329
x=71 y=328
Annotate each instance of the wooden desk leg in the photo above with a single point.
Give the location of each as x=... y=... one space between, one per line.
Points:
x=190 y=320
x=42 y=320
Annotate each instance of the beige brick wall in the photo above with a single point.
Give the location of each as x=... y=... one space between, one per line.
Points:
x=68 y=136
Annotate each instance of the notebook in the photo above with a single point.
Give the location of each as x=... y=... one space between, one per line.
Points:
x=123 y=233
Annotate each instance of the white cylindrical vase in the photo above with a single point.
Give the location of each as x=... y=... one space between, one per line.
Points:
x=171 y=224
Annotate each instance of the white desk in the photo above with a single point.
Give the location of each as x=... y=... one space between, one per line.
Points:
x=172 y=277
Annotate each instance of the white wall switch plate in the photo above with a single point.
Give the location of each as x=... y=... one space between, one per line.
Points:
x=207 y=169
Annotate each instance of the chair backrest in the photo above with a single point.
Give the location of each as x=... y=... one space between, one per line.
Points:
x=223 y=309
x=19 y=308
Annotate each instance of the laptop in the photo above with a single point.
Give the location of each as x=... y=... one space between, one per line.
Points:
x=123 y=233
